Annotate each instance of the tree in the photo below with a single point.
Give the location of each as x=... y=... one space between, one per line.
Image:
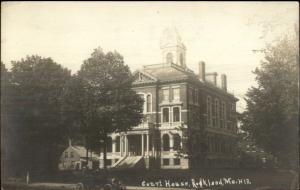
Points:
x=79 y=109
x=5 y=85
x=103 y=98
x=36 y=130
x=271 y=116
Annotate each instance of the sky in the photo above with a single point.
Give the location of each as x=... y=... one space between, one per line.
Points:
x=223 y=34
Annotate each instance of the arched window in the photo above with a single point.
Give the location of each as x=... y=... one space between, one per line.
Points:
x=181 y=59
x=166 y=142
x=169 y=58
x=143 y=98
x=177 y=142
x=149 y=102
x=118 y=144
x=109 y=144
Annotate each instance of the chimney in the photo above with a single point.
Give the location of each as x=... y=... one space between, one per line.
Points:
x=212 y=78
x=202 y=70
x=70 y=142
x=224 y=82
x=215 y=78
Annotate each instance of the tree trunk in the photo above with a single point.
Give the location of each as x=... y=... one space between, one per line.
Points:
x=87 y=156
x=104 y=152
x=87 y=153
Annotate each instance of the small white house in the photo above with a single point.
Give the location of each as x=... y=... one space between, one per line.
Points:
x=74 y=158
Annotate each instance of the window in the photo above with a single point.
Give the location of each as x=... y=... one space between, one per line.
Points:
x=169 y=58
x=176 y=161
x=196 y=96
x=208 y=110
x=176 y=94
x=66 y=154
x=176 y=114
x=72 y=154
x=177 y=142
x=223 y=146
x=223 y=115
x=213 y=113
x=166 y=142
x=232 y=111
x=166 y=162
x=192 y=95
x=142 y=97
x=181 y=59
x=217 y=113
x=210 y=144
x=165 y=115
x=166 y=95
x=216 y=146
x=77 y=166
x=118 y=144
x=150 y=142
x=149 y=102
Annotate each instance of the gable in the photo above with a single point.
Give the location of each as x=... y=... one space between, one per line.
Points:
x=143 y=77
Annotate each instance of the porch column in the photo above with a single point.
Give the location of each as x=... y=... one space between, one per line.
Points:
x=114 y=145
x=121 y=145
x=147 y=145
x=142 y=144
x=126 y=145
x=152 y=148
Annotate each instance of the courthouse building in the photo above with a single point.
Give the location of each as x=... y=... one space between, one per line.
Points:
x=189 y=121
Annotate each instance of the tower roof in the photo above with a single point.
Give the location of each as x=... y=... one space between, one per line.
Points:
x=170 y=37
